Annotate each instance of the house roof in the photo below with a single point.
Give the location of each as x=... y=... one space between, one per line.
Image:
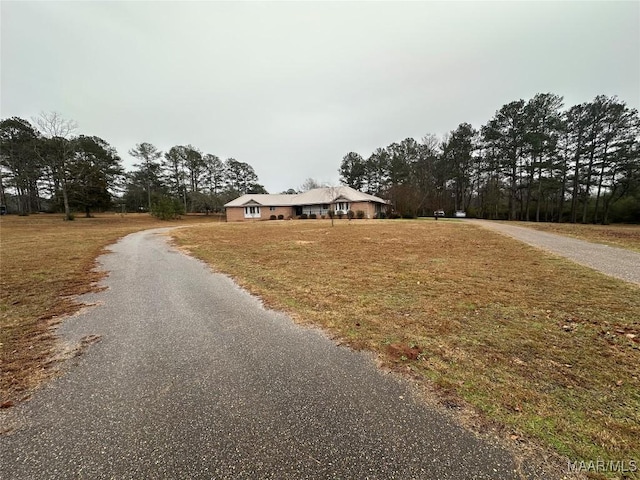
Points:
x=316 y=196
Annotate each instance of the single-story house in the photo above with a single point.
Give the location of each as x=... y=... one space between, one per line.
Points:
x=317 y=201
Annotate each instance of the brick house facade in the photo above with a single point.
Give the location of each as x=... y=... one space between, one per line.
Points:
x=317 y=201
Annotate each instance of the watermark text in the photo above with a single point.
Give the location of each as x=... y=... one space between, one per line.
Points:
x=604 y=466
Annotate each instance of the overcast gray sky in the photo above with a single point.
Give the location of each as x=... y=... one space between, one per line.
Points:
x=291 y=87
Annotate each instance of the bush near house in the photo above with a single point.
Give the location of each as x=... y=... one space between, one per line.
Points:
x=360 y=214
x=167 y=208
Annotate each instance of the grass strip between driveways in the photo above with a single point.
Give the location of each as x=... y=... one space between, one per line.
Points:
x=44 y=262
x=545 y=347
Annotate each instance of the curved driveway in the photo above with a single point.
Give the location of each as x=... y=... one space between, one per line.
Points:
x=616 y=262
x=192 y=378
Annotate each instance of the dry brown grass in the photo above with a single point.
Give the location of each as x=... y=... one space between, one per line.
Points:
x=625 y=236
x=545 y=347
x=44 y=261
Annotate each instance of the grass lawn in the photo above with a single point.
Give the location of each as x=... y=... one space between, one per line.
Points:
x=542 y=346
x=624 y=236
x=44 y=261
x=548 y=349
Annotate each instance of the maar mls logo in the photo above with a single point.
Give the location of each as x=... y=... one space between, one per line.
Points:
x=602 y=466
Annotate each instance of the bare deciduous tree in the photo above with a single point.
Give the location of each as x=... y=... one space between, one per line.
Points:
x=310 y=184
x=58 y=150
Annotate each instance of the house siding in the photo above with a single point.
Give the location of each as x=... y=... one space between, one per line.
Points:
x=236 y=214
x=286 y=212
x=317 y=202
x=369 y=208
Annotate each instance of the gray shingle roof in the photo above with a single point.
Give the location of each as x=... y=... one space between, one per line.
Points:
x=317 y=196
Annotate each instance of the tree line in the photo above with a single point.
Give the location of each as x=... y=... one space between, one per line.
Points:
x=192 y=180
x=47 y=167
x=533 y=160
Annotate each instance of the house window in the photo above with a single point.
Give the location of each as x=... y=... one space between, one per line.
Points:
x=342 y=206
x=272 y=209
x=251 y=212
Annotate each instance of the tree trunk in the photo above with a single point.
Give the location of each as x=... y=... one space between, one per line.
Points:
x=576 y=189
x=539 y=200
x=149 y=194
x=601 y=175
x=599 y=192
x=587 y=186
x=65 y=199
x=184 y=191
x=3 y=197
x=20 y=200
x=563 y=188
x=512 y=190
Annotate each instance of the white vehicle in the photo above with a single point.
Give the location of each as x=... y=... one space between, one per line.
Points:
x=461 y=213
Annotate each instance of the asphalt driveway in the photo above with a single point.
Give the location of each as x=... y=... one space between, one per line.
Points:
x=192 y=378
x=616 y=262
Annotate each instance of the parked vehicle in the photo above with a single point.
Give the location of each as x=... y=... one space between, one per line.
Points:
x=438 y=213
x=461 y=213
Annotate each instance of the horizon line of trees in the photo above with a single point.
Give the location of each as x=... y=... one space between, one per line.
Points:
x=47 y=167
x=531 y=161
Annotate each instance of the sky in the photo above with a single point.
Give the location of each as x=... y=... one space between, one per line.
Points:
x=291 y=87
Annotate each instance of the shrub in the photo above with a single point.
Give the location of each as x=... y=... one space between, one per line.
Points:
x=166 y=208
x=340 y=214
x=280 y=217
x=351 y=214
x=331 y=213
x=360 y=214
x=313 y=216
x=272 y=217
x=303 y=216
x=323 y=217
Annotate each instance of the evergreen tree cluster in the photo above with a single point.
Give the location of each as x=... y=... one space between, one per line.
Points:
x=48 y=168
x=533 y=160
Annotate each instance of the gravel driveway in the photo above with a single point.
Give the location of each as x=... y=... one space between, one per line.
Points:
x=192 y=378
x=616 y=262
